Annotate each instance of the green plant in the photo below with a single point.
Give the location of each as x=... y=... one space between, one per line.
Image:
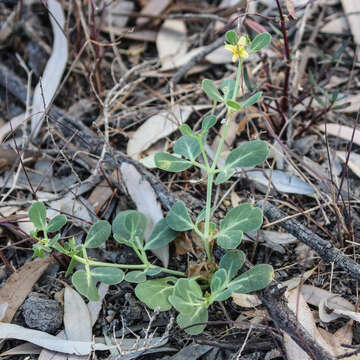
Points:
x=191 y=297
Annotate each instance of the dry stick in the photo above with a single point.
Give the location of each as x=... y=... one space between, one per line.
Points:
x=327 y=251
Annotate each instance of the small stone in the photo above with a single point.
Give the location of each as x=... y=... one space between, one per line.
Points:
x=42 y=313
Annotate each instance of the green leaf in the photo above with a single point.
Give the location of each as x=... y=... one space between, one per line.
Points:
x=219 y=281
x=224 y=295
x=178 y=217
x=211 y=91
x=260 y=41
x=98 y=234
x=37 y=215
x=187 y=147
x=228 y=88
x=155 y=293
x=153 y=271
x=232 y=37
x=229 y=239
x=127 y=225
x=56 y=223
x=233 y=105
x=186 y=130
x=224 y=175
x=243 y=217
x=252 y=99
x=187 y=295
x=202 y=214
x=208 y=123
x=257 y=278
x=199 y=314
x=84 y=285
x=232 y=262
x=248 y=83
x=248 y=155
x=108 y=275
x=171 y=163
x=136 y=277
x=161 y=235
x=71 y=267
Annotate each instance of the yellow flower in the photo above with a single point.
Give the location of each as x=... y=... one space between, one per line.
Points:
x=238 y=50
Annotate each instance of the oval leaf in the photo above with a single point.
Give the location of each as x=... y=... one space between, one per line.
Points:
x=257 y=278
x=108 y=275
x=187 y=147
x=248 y=155
x=233 y=105
x=252 y=100
x=84 y=284
x=199 y=314
x=136 y=277
x=219 y=281
x=260 y=41
x=211 y=91
x=37 y=215
x=243 y=217
x=98 y=234
x=232 y=262
x=228 y=88
x=178 y=217
x=229 y=239
x=186 y=130
x=56 y=223
x=208 y=123
x=224 y=175
x=232 y=37
x=127 y=225
x=155 y=293
x=171 y=163
x=161 y=235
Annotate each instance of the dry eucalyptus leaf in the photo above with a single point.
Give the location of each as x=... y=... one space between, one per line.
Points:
x=19 y=284
x=152 y=7
x=341 y=131
x=114 y=9
x=146 y=202
x=246 y=300
x=156 y=128
x=352 y=12
x=353 y=163
x=45 y=340
x=171 y=43
x=46 y=88
x=338 y=26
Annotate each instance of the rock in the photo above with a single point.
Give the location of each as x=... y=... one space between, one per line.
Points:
x=42 y=313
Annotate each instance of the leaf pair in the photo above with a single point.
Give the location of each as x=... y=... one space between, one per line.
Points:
x=243 y=218
x=37 y=215
x=250 y=154
x=84 y=281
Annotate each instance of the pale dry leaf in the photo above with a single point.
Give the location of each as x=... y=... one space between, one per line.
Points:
x=178 y=61
x=47 y=341
x=297 y=280
x=352 y=12
x=349 y=104
x=3 y=308
x=246 y=300
x=23 y=349
x=11 y=125
x=46 y=88
x=113 y=12
x=290 y=8
x=156 y=128
x=94 y=307
x=219 y=56
x=146 y=202
x=152 y=7
x=298 y=305
x=337 y=26
x=19 y=284
x=341 y=131
x=171 y=43
x=229 y=140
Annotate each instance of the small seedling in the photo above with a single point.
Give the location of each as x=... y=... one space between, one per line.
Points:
x=191 y=297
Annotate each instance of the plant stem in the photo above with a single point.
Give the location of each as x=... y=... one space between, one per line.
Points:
x=212 y=170
x=88 y=263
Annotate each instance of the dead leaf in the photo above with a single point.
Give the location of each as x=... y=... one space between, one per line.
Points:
x=183 y=244
x=45 y=340
x=337 y=26
x=171 y=43
x=19 y=285
x=290 y=7
x=23 y=349
x=156 y=128
x=113 y=12
x=219 y=56
x=146 y=202
x=50 y=80
x=352 y=12
x=349 y=104
x=341 y=131
x=246 y=300
x=96 y=306
x=153 y=7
